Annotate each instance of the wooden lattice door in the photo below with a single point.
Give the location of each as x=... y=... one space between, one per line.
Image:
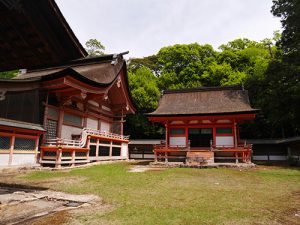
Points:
x=51 y=129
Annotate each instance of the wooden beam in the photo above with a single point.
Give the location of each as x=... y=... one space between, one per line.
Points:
x=60 y=122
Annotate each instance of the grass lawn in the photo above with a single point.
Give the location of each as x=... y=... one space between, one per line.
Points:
x=264 y=195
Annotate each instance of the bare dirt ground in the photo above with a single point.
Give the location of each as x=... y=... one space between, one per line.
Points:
x=21 y=204
x=32 y=203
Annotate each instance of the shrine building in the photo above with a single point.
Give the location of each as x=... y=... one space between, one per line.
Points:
x=203 y=124
x=63 y=108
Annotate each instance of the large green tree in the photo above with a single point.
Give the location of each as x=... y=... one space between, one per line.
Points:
x=240 y=61
x=145 y=93
x=289 y=12
x=182 y=65
x=144 y=90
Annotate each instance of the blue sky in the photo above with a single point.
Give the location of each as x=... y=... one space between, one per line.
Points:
x=144 y=26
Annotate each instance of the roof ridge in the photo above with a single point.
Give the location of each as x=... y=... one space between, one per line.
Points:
x=81 y=62
x=217 y=88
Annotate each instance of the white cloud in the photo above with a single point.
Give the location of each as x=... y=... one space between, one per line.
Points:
x=143 y=27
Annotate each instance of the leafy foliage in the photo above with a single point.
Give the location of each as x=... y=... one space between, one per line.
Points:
x=289 y=12
x=94 y=47
x=240 y=61
x=144 y=88
x=9 y=74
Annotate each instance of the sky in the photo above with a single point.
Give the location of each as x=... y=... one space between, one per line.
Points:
x=142 y=27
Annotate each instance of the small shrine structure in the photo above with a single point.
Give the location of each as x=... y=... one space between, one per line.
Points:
x=202 y=125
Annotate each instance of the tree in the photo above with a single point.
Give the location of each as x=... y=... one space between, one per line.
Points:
x=144 y=90
x=145 y=93
x=239 y=62
x=182 y=65
x=94 y=47
x=149 y=62
x=289 y=12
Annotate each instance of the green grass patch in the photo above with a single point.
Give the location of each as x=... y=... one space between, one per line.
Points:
x=183 y=196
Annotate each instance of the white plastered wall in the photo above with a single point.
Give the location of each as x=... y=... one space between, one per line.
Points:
x=124 y=150
x=68 y=131
x=177 y=141
x=23 y=159
x=18 y=159
x=4 y=159
x=105 y=126
x=92 y=123
x=224 y=141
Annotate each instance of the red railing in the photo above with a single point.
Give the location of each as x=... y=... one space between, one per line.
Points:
x=83 y=140
x=240 y=152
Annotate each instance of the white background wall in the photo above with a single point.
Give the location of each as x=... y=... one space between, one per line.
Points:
x=124 y=150
x=92 y=123
x=4 y=159
x=18 y=159
x=224 y=140
x=67 y=131
x=180 y=141
x=23 y=159
x=105 y=126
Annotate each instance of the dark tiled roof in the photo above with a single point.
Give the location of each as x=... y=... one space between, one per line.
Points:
x=35 y=34
x=204 y=101
x=101 y=70
x=20 y=124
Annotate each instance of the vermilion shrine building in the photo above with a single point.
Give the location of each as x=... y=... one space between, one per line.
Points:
x=203 y=124
x=63 y=108
x=78 y=108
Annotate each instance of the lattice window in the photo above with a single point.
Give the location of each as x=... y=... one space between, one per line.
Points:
x=66 y=154
x=25 y=144
x=4 y=143
x=48 y=153
x=51 y=129
x=80 y=154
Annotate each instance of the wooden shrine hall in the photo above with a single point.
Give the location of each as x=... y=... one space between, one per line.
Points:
x=63 y=108
x=202 y=125
x=79 y=108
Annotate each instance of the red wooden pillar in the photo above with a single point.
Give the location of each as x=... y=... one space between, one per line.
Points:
x=167 y=134
x=45 y=118
x=88 y=146
x=73 y=157
x=110 y=149
x=122 y=126
x=58 y=157
x=60 y=122
x=97 y=149
x=235 y=134
x=11 y=149
x=214 y=136
x=122 y=122
x=36 y=148
x=85 y=121
x=186 y=130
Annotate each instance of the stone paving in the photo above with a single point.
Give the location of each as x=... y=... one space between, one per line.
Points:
x=20 y=206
